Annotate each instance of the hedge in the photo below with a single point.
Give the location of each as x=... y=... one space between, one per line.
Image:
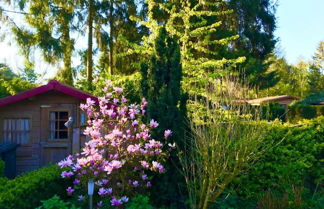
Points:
x=299 y=112
x=27 y=191
x=295 y=161
x=2 y=167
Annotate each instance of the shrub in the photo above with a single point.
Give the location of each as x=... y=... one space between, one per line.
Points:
x=27 y=191
x=121 y=155
x=294 y=161
x=2 y=167
x=3 y=179
x=272 y=111
x=139 y=202
x=299 y=112
x=56 y=203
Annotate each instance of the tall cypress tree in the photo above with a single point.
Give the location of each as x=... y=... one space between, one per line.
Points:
x=161 y=86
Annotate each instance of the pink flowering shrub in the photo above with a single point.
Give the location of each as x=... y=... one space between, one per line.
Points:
x=121 y=154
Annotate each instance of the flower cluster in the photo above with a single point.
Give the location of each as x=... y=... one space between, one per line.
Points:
x=120 y=153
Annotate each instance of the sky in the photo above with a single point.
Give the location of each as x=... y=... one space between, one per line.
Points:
x=300 y=27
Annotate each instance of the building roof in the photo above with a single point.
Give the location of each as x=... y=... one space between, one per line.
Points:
x=259 y=101
x=271 y=99
x=52 y=85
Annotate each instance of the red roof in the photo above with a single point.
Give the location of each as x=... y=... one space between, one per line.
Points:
x=52 y=85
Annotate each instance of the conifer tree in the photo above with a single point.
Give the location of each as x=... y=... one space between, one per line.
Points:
x=49 y=29
x=161 y=86
x=255 y=22
x=188 y=21
x=316 y=74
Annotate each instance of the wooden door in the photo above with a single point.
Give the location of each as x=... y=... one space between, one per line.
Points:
x=56 y=138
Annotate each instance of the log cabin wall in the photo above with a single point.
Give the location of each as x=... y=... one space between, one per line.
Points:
x=40 y=149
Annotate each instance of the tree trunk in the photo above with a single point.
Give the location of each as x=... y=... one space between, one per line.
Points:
x=111 y=41
x=67 y=58
x=89 y=53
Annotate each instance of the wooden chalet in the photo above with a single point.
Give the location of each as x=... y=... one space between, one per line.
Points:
x=36 y=121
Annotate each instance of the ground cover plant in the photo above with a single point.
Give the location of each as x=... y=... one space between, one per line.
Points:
x=28 y=190
x=121 y=154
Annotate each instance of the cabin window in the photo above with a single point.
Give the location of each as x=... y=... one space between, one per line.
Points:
x=57 y=128
x=16 y=130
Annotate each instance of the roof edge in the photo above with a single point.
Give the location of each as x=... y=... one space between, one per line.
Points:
x=51 y=85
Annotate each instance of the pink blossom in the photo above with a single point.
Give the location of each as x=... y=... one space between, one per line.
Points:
x=65 y=163
x=153 y=124
x=157 y=166
x=148 y=184
x=119 y=142
x=118 y=90
x=80 y=197
x=90 y=102
x=135 y=183
x=83 y=106
x=115 y=202
x=135 y=123
x=100 y=204
x=66 y=174
x=145 y=164
x=69 y=190
x=102 y=191
x=133 y=148
x=124 y=100
x=82 y=161
x=76 y=181
x=116 y=164
x=167 y=133
x=144 y=177
x=124 y=199
x=108 y=83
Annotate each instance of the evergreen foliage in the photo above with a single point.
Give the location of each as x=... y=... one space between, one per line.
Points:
x=161 y=87
x=11 y=83
x=255 y=22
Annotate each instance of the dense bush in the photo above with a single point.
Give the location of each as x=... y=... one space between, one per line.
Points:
x=295 y=160
x=3 y=179
x=56 y=203
x=139 y=202
x=27 y=191
x=272 y=111
x=299 y=112
x=2 y=167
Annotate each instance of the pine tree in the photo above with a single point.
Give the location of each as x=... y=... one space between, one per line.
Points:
x=255 y=22
x=49 y=29
x=316 y=74
x=161 y=86
x=189 y=22
x=194 y=22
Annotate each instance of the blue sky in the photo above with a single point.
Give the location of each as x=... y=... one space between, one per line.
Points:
x=300 y=27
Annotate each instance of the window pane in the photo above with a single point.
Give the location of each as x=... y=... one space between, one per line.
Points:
x=63 y=115
x=16 y=130
x=57 y=128
x=61 y=125
x=63 y=134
